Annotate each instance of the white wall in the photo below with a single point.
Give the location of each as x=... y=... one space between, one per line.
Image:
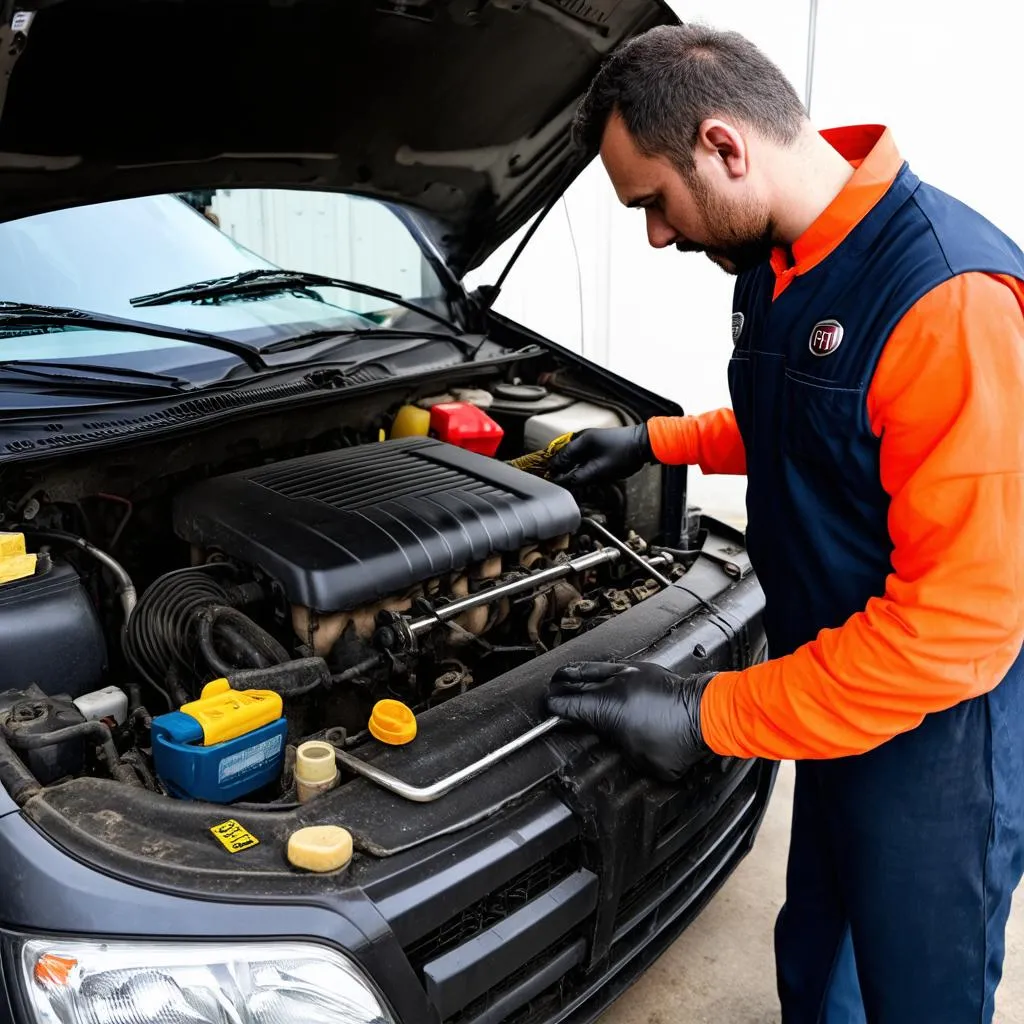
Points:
x=945 y=78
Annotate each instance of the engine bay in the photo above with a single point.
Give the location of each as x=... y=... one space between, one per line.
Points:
x=224 y=622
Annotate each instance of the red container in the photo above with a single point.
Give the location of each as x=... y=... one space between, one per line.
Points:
x=466 y=426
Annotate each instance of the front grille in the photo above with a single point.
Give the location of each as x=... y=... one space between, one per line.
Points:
x=495 y=906
x=557 y=981
x=481 y=1010
x=691 y=866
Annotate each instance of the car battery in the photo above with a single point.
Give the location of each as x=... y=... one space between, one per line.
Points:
x=224 y=745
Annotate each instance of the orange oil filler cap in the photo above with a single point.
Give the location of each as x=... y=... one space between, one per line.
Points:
x=392 y=722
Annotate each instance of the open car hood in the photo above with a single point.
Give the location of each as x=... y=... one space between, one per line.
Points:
x=457 y=109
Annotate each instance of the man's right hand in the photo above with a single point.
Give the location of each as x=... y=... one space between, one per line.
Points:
x=598 y=455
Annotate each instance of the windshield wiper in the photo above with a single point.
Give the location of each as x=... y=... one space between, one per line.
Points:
x=20 y=315
x=271 y=281
x=313 y=337
x=108 y=378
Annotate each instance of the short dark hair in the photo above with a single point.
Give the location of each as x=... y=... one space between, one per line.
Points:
x=667 y=81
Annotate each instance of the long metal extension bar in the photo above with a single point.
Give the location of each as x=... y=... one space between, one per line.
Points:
x=415 y=627
x=427 y=794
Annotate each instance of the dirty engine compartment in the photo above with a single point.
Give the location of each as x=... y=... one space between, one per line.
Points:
x=327 y=566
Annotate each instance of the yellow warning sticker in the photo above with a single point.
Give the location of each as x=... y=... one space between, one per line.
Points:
x=233 y=837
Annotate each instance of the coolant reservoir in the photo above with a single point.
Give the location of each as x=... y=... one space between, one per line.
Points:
x=543 y=428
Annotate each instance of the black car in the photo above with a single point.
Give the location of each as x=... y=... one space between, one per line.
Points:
x=272 y=559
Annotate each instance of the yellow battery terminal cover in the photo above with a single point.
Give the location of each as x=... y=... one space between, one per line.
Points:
x=225 y=714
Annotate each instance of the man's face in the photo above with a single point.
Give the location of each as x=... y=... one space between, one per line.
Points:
x=707 y=211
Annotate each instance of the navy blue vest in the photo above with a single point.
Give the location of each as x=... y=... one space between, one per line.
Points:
x=816 y=511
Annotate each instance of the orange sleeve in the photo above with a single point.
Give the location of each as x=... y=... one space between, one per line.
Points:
x=711 y=441
x=946 y=401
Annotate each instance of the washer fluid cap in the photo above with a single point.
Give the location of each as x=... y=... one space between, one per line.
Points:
x=392 y=722
x=320 y=848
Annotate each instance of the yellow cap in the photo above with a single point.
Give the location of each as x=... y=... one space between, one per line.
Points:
x=14 y=563
x=12 y=544
x=411 y=421
x=392 y=722
x=17 y=567
x=320 y=848
x=225 y=714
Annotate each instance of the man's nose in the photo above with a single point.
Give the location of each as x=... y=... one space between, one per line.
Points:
x=659 y=232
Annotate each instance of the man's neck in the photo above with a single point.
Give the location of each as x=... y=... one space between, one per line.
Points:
x=810 y=175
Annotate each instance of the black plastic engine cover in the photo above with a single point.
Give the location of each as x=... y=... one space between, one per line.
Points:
x=349 y=527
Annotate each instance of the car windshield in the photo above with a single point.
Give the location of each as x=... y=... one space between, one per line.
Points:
x=99 y=257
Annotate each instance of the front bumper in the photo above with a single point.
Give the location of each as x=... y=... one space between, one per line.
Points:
x=544 y=910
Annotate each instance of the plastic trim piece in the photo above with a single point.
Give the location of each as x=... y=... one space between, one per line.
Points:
x=455 y=979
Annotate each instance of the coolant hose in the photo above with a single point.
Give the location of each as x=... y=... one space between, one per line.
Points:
x=95 y=731
x=292 y=679
x=125 y=587
x=16 y=778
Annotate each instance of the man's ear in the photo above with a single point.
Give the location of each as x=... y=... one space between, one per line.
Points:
x=722 y=142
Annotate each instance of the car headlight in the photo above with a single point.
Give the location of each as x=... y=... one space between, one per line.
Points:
x=92 y=982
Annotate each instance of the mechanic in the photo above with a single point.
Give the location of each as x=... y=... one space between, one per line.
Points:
x=877 y=386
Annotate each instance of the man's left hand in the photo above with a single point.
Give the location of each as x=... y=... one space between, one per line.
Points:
x=647 y=711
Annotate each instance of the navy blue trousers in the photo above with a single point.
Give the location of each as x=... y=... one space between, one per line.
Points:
x=902 y=865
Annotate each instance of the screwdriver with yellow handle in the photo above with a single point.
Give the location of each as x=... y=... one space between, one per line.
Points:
x=537 y=462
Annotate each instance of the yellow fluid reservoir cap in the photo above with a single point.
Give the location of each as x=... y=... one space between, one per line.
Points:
x=411 y=421
x=14 y=563
x=314 y=762
x=392 y=722
x=226 y=714
x=13 y=544
x=17 y=567
x=320 y=848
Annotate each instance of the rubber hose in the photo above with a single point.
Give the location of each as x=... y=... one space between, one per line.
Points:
x=356 y=670
x=95 y=731
x=15 y=776
x=260 y=648
x=176 y=688
x=137 y=711
x=292 y=679
x=134 y=760
x=125 y=587
x=238 y=651
x=159 y=632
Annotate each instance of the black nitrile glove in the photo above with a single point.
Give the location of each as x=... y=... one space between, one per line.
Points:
x=647 y=711
x=600 y=454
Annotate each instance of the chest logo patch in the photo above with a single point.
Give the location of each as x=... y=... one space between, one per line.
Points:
x=737 y=326
x=826 y=337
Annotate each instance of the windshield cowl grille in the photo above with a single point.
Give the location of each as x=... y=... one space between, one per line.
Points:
x=187 y=410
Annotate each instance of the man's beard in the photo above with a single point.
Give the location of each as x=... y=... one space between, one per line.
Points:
x=744 y=233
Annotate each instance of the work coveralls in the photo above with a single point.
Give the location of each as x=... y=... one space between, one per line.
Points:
x=877 y=386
